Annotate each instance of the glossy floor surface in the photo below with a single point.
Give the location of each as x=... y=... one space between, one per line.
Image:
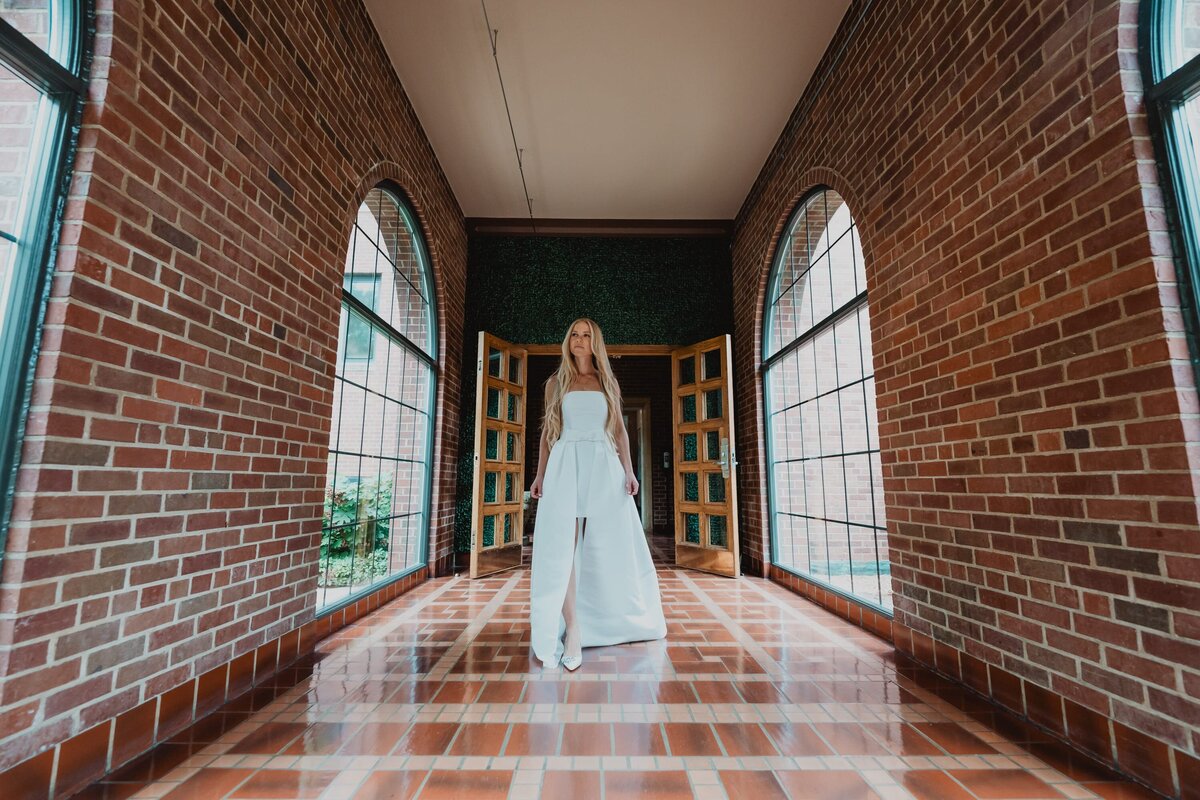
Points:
x=755 y=693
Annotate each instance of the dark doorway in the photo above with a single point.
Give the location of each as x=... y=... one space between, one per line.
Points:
x=645 y=384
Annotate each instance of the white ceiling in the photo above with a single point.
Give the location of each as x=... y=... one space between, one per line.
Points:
x=626 y=109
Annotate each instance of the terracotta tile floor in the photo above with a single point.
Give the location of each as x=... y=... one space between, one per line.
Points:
x=755 y=693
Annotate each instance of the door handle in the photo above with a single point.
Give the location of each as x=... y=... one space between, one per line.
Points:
x=724 y=460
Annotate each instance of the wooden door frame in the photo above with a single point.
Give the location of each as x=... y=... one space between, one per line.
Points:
x=702 y=555
x=641 y=405
x=500 y=557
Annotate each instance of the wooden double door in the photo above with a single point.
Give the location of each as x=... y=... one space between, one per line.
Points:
x=704 y=463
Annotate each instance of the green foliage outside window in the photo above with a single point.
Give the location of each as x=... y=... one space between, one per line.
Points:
x=356 y=530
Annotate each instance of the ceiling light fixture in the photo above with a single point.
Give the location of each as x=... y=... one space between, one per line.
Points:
x=493 y=35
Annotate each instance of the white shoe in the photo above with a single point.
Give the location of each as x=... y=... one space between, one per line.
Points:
x=571 y=662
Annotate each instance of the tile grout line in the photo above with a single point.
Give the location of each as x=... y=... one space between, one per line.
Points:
x=769 y=665
x=364 y=642
x=458 y=647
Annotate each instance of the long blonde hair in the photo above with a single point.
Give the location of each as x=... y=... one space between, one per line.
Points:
x=559 y=383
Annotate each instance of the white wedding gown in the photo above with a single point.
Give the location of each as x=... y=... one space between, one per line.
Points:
x=616 y=587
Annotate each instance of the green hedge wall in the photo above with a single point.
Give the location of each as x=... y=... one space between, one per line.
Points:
x=641 y=290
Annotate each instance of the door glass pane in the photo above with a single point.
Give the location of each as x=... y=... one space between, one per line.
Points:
x=493 y=402
x=489 y=530
x=691 y=528
x=712 y=445
x=712 y=404
x=508 y=487
x=491 y=448
x=495 y=362
x=691 y=487
x=687 y=370
x=513 y=406
x=689 y=447
x=717 y=536
x=514 y=369
x=508 y=528
x=716 y=487
x=489 y=487
x=689 y=407
x=510 y=447
x=712 y=364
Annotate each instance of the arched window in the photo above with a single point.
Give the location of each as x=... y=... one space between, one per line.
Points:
x=41 y=91
x=381 y=439
x=1170 y=55
x=825 y=495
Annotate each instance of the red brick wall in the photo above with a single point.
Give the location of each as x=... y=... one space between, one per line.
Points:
x=1038 y=419
x=169 y=499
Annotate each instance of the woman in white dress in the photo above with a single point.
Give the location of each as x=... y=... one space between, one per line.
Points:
x=592 y=581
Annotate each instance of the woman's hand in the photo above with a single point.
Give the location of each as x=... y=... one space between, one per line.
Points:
x=631 y=484
x=535 y=491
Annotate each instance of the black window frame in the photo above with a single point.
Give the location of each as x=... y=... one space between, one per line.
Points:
x=1163 y=94
x=772 y=353
x=353 y=304
x=22 y=318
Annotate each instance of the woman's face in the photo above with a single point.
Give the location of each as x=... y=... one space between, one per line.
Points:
x=581 y=340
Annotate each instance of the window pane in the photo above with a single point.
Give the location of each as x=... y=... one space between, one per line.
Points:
x=40 y=22
x=376 y=503
x=818 y=552
x=8 y=256
x=781 y=387
x=849 y=351
x=806 y=366
x=826 y=358
x=786 y=490
x=829 y=422
x=825 y=493
x=819 y=290
x=854 y=419
x=810 y=432
x=22 y=127
x=1180 y=34
x=860 y=498
x=839 y=217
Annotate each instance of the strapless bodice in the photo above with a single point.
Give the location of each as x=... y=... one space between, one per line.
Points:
x=584 y=412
